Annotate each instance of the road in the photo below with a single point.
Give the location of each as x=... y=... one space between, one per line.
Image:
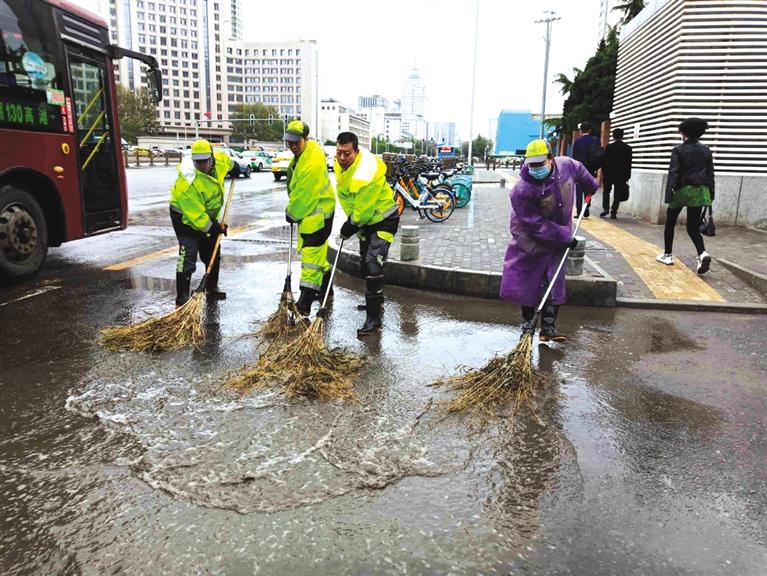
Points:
x=646 y=453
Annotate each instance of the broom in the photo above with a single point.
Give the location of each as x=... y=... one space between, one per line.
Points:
x=509 y=377
x=282 y=325
x=306 y=365
x=174 y=330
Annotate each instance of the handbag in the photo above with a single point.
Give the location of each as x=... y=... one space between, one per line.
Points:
x=707 y=226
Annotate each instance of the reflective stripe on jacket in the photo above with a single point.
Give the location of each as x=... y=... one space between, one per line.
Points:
x=311 y=196
x=197 y=196
x=363 y=191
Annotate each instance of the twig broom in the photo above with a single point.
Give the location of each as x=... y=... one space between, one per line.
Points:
x=306 y=366
x=509 y=378
x=285 y=322
x=174 y=330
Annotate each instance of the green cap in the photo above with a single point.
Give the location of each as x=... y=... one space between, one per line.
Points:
x=295 y=131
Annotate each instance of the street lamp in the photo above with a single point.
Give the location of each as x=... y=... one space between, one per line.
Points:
x=473 y=79
x=552 y=16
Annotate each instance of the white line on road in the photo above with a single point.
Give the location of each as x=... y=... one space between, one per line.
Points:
x=31 y=294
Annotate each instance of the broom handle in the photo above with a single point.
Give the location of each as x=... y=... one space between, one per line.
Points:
x=288 y=287
x=218 y=240
x=332 y=273
x=564 y=257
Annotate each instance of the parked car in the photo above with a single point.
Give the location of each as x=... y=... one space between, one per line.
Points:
x=258 y=159
x=330 y=155
x=241 y=165
x=280 y=164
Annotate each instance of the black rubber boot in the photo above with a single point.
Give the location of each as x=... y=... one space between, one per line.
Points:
x=528 y=315
x=305 y=300
x=182 y=288
x=548 y=330
x=213 y=293
x=324 y=288
x=373 y=308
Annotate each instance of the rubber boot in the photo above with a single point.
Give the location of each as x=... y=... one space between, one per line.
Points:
x=213 y=293
x=373 y=308
x=548 y=320
x=305 y=300
x=183 y=282
x=324 y=288
x=211 y=288
x=528 y=315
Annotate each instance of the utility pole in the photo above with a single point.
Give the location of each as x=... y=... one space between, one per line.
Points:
x=473 y=79
x=548 y=18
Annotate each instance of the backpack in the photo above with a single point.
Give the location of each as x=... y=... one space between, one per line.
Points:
x=594 y=157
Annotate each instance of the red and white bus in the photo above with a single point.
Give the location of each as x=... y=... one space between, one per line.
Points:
x=61 y=172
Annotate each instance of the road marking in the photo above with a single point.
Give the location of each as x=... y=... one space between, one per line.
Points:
x=165 y=252
x=675 y=282
x=31 y=294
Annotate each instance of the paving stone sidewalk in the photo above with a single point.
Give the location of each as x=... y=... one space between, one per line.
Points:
x=475 y=238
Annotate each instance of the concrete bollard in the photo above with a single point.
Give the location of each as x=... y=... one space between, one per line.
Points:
x=575 y=258
x=409 y=243
x=503 y=182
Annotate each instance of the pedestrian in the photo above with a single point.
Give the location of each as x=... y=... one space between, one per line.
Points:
x=588 y=151
x=616 y=171
x=368 y=201
x=690 y=183
x=541 y=229
x=195 y=201
x=311 y=204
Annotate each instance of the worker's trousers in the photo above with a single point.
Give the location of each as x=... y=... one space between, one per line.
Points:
x=314 y=255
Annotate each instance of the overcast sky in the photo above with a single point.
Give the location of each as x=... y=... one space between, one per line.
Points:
x=370 y=48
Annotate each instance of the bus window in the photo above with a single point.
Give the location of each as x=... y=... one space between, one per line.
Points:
x=31 y=79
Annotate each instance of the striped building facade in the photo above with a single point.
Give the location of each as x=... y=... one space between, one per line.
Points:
x=706 y=58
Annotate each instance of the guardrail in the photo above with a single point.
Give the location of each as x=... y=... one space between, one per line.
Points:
x=134 y=160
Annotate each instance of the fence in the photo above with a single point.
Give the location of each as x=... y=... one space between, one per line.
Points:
x=135 y=160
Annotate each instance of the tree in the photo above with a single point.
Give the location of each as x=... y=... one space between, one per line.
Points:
x=630 y=8
x=590 y=95
x=329 y=142
x=565 y=84
x=479 y=147
x=137 y=113
x=262 y=128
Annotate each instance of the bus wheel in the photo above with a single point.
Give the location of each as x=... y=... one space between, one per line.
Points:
x=23 y=235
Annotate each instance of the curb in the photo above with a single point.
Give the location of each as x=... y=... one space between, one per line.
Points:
x=692 y=306
x=755 y=280
x=581 y=291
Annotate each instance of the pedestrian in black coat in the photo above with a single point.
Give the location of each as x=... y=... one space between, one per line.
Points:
x=616 y=171
x=587 y=150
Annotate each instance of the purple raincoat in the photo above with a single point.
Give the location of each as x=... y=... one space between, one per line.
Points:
x=541 y=223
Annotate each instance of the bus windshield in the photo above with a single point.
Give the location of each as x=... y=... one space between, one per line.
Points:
x=31 y=68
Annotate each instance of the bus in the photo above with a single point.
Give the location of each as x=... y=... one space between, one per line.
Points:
x=61 y=170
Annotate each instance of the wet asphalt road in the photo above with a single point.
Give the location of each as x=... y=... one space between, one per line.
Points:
x=647 y=455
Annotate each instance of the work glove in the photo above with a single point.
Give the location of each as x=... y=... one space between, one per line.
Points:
x=216 y=229
x=289 y=219
x=573 y=243
x=348 y=230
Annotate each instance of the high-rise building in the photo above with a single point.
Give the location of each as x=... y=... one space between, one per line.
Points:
x=443 y=133
x=413 y=104
x=187 y=38
x=373 y=108
x=234 y=24
x=279 y=74
x=335 y=118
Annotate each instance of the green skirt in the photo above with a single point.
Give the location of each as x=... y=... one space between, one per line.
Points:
x=691 y=196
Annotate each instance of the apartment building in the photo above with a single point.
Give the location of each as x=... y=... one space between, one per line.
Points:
x=335 y=118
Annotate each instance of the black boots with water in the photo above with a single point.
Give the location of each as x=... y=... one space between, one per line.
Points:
x=305 y=300
x=324 y=288
x=213 y=293
x=373 y=309
x=182 y=288
x=548 y=330
x=528 y=316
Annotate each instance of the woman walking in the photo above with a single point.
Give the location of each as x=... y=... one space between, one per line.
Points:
x=690 y=183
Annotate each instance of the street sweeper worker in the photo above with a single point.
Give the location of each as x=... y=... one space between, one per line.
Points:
x=541 y=224
x=368 y=202
x=195 y=202
x=311 y=204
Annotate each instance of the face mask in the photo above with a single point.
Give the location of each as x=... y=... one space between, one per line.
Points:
x=539 y=172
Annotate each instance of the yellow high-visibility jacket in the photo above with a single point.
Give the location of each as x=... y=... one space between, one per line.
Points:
x=363 y=191
x=311 y=196
x=197 y=196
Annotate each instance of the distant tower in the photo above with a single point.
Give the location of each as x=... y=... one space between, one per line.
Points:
x=413 y=103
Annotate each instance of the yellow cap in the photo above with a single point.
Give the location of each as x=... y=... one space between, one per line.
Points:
x=537 y=151
x=201 y=150
x=295 y=131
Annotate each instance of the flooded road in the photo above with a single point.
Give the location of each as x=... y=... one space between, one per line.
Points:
x=646 y=454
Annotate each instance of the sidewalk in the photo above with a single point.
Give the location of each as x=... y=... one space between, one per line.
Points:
x=619 y=252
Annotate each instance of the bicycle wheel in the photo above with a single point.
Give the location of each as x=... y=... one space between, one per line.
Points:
x=445 y=199
x=462 y=194
x=400 y=202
